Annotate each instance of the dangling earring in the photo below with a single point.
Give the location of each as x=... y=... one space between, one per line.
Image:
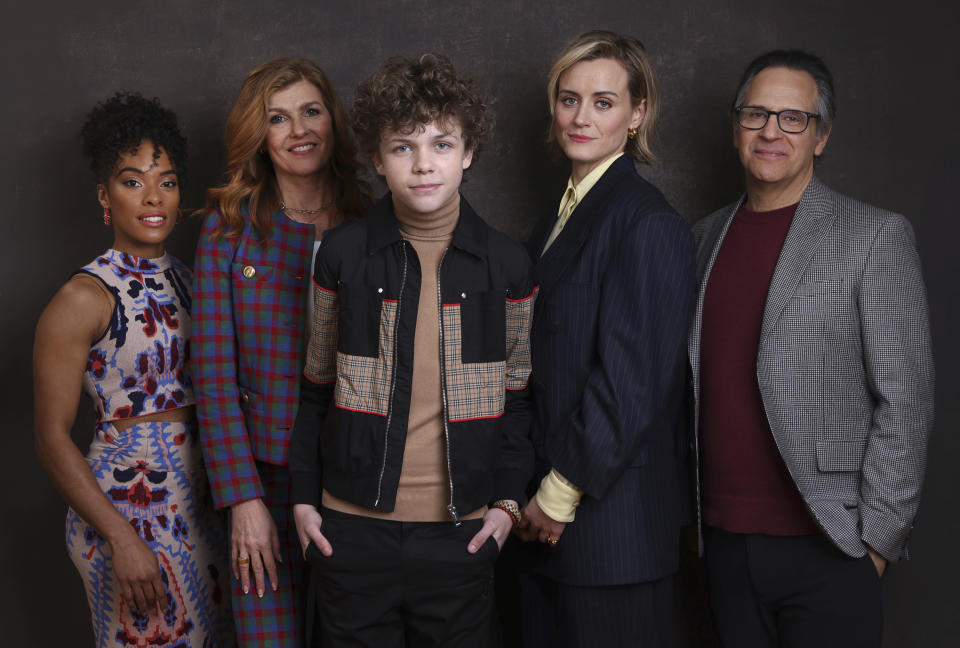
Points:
x=106 y=216
x=179 y=216
x=631 y=133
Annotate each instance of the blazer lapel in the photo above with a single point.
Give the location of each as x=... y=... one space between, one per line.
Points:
x=813 y=220
x=583 y=221
x=540 y=233
x=713 y=241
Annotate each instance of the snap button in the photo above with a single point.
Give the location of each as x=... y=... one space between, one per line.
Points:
x=249 y=271
x=379 y=290
x=463 y=295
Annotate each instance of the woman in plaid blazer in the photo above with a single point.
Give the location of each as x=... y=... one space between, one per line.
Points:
x=292 y=175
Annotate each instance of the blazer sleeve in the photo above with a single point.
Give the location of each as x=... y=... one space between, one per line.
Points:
x=223 y=432
x=899 y=371
x=516 y=450
x=645 y=302
x=316 y=386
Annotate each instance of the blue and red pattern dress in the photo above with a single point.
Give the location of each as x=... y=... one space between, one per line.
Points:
x=152 y=472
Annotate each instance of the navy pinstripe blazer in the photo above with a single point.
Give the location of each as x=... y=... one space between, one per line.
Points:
x=609 y=327
x=844 y=364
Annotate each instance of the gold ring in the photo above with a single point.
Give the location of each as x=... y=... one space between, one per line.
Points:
x=243 y=561
x=552 y=541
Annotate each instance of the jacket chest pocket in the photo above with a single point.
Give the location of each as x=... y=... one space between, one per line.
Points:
x=483 y=326
x=249 y=277
x=265 y=296
x=360 y=316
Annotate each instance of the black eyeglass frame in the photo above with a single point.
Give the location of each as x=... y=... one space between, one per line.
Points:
x=777 y=113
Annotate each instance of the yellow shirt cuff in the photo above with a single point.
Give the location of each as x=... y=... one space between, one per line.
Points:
x=557 y=497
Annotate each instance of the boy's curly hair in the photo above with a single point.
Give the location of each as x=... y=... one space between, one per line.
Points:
x=411 y=92
x=118 y=125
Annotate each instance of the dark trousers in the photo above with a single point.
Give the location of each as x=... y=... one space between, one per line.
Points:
x=639 y=615
x=792 y=592
x=394 y=584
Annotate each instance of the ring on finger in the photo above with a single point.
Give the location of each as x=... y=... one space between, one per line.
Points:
x=552 y=541
x=243 y=560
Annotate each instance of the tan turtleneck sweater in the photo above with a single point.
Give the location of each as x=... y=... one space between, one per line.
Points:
x=424 y=490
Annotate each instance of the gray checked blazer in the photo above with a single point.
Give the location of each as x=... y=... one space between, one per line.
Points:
x=844 y=365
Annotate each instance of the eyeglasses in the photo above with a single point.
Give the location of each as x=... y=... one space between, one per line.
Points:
x=789 y=121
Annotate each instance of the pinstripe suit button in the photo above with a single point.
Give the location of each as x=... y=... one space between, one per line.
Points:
x=249 y=271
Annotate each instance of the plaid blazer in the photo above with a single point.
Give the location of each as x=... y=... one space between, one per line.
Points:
x=249 y=306
x=844 y=364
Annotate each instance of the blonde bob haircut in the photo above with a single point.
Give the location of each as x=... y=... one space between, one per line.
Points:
x=251 y=184
x=628 y=52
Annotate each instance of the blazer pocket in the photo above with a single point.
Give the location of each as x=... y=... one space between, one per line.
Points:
x=834 y=455
x=829 y=288
x=570 y=305
x=251 y=276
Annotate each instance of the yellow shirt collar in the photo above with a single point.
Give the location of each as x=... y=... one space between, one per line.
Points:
x=584 y=186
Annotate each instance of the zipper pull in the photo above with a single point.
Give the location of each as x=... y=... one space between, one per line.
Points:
x=453 y=513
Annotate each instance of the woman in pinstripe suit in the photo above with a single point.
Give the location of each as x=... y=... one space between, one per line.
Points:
x=615 y=266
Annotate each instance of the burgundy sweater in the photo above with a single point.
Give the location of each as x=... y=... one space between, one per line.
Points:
x=746 y=487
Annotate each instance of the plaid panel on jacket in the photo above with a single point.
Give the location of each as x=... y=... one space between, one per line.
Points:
x=249 y=306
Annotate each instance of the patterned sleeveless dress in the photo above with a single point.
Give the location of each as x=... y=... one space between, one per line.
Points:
x=151 y=472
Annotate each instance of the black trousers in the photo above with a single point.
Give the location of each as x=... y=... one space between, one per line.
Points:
x=791 y=592
x=402 y=584
x=638 y=615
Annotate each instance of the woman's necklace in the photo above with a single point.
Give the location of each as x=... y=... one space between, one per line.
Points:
x=319 y=210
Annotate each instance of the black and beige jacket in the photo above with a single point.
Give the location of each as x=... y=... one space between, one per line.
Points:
x=351 y=427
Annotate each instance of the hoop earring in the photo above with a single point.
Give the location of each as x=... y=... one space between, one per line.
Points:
x=631 y=133
x=106 y=216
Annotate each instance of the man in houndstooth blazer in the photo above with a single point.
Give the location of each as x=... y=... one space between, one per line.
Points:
x=812 y=378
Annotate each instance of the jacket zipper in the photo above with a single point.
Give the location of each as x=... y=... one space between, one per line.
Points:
x=451 y=507
x=393 y=377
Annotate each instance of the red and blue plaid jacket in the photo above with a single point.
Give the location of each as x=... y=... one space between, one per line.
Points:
x=249 y=302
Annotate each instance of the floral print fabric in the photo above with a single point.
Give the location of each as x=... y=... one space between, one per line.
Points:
x=138 y=366
x=153 y=474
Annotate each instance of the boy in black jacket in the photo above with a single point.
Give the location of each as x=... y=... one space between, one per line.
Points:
x=411 y=447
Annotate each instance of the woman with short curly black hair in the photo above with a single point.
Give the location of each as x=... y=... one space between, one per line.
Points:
x=141 y=528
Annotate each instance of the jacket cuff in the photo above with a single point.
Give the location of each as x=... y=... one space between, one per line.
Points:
x=884 y=533
x=305 y=488
x=237 y=487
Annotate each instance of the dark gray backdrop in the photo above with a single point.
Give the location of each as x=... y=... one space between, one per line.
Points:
x=895 y=144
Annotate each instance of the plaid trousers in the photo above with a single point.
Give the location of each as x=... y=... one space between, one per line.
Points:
x=277 y=619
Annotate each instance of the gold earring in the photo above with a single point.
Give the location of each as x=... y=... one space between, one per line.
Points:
x=631 y=133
